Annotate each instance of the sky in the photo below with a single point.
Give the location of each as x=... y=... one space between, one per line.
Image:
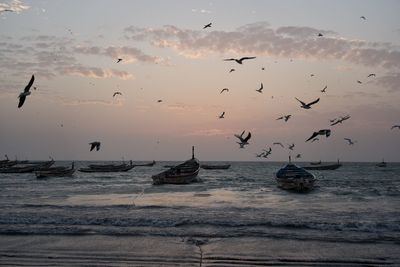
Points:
x=72 y=49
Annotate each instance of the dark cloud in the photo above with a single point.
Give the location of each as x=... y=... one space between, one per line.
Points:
x=13 y=6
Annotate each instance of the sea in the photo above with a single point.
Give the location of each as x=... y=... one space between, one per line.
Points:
x=355 y=204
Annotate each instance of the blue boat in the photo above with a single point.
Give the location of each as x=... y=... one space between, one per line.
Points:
x=292 y=177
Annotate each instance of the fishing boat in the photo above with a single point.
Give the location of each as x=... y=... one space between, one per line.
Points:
x=315 y=163
x=323 y=167
x=150 y=164
x=183 y=173
x=381 y=164
x=215 y=167
x=25 y=168
x=56 y=172
x=108 y=168
x=292 y=177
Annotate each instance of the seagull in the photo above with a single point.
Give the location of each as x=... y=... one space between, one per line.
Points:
x=243 y=141
x=362 y=17
x=312 y=75
x=298 y=156
x=320 y=35
x=340 y=120
x=267 y=152
x=262 y=68
x=371 y=75
x=324 y=90
x=207 y=25
x=279 y=144
x=159 y=101
x=360 y=82
x=222 y=115
x=117 y=93
x=223 y=90
x=95 y=144
x=351 y=142
x=395 y=126
x=239 y=61
x=231 y=70
x=119 y=60
x=291 y=146
x=22 y=96
x=326 y=132
x=261 y=88
x=315 y=139
x=285 y=117
x=260 y=155
x=307 y=106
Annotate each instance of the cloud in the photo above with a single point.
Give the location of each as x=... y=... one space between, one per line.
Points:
x=203 y=11
x=390 y=81
x=209 y=132
x=14 y=6
x=94 y=72
x=263 y=40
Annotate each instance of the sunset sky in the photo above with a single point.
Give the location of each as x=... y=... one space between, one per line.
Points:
x=72 y=48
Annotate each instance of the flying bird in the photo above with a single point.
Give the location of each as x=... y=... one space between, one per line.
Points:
x=22 y=96
x=298 y=156
x=239 y=61
x=340 y=120
x=243 y=141
x=312 y=75
x=223 y=90
x=307 y=106
x=159 y=101
x=324 y=90
x=207 y=25
x=222 y=115
x=260 y=155
x=362 y=17
x=360 y=82
x=117 y=93
x=395 y=126
x=291 y=146
x=261 y=88
x=231 y=70
x=326 y=132
x=371 y=75
x=320 y=35
x=351 y=142
x=279 y=144
x=267 y=152
x=262 y=68
x=95 y=144
x=285 y=117
x=119 y=60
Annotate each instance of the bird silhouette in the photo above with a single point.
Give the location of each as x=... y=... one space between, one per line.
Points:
x=222 y=115
x=324 y=90
x=22 y=96
x=307 y=106
x=159 y=100
x=340 y=120
x=261 y=88
x=119 y=60
x=351 y=142
x=326 y=132
x=360 y=82
x=243 y=141
x=298 y=156
x=240 y=60
x=279 y=144
x=224 y=90
x=320 y=35
x=95 y=144
x=285 y=117
x=362 y=17
x=231 y=70
x=207 y=25
x=117 y=93
x=267 y=152
x=291 y=146
x=371 y=75
x=395 y=126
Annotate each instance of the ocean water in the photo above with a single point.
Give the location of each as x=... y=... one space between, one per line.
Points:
x=357 y=203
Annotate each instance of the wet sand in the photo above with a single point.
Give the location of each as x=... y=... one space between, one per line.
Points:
x=100 y=250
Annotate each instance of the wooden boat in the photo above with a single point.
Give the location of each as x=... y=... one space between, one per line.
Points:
x=150 y=164
x=215 y=167
x=292 y=177
x=27 y=168
x=315 y=163
x=108 y=168
x=323 y=167
x=382 y=164
x=56 y=172
x=183 y=173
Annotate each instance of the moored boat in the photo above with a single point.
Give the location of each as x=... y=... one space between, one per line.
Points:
x=322 y=167
x=292 y=177
x=150 y=164
x=25 y=168
x=215 y=167
x=183 y=173
x=315 y=163
x=108 y=168
x=382 y=164
x=56 y=172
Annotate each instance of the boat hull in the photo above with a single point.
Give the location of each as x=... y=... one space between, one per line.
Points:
x=215 y=167
x=295 y=178
x=323 y=167
x=184 y=173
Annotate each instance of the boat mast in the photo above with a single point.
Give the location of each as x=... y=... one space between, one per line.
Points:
x=192 y=152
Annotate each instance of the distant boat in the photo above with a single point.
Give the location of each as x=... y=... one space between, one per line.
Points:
x=381 y=164
x=183 y=173
x=56 y=172
x=26 y=168
x=315 y=163
x=108 y=167
x=150 y=164
x=292 y=177
x=324 y=167
x=215 y=167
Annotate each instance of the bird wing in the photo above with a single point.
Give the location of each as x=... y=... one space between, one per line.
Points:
x=262 y=86
x=244 y=58
x=29 y=84
x=314 y=102
x=312 y=136
x=300 y=101
x=21 y=101
x=336 y=122
x=98 y=146
x=280 y=118
x=239 y=137
x=247 y=137
x=347 y=139
x=92 y=146
x=229 y=59
x=327 y=132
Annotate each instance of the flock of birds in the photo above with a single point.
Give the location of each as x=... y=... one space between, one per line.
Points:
x=242 y=139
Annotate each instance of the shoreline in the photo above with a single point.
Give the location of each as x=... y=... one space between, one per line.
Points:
x=101 y=250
